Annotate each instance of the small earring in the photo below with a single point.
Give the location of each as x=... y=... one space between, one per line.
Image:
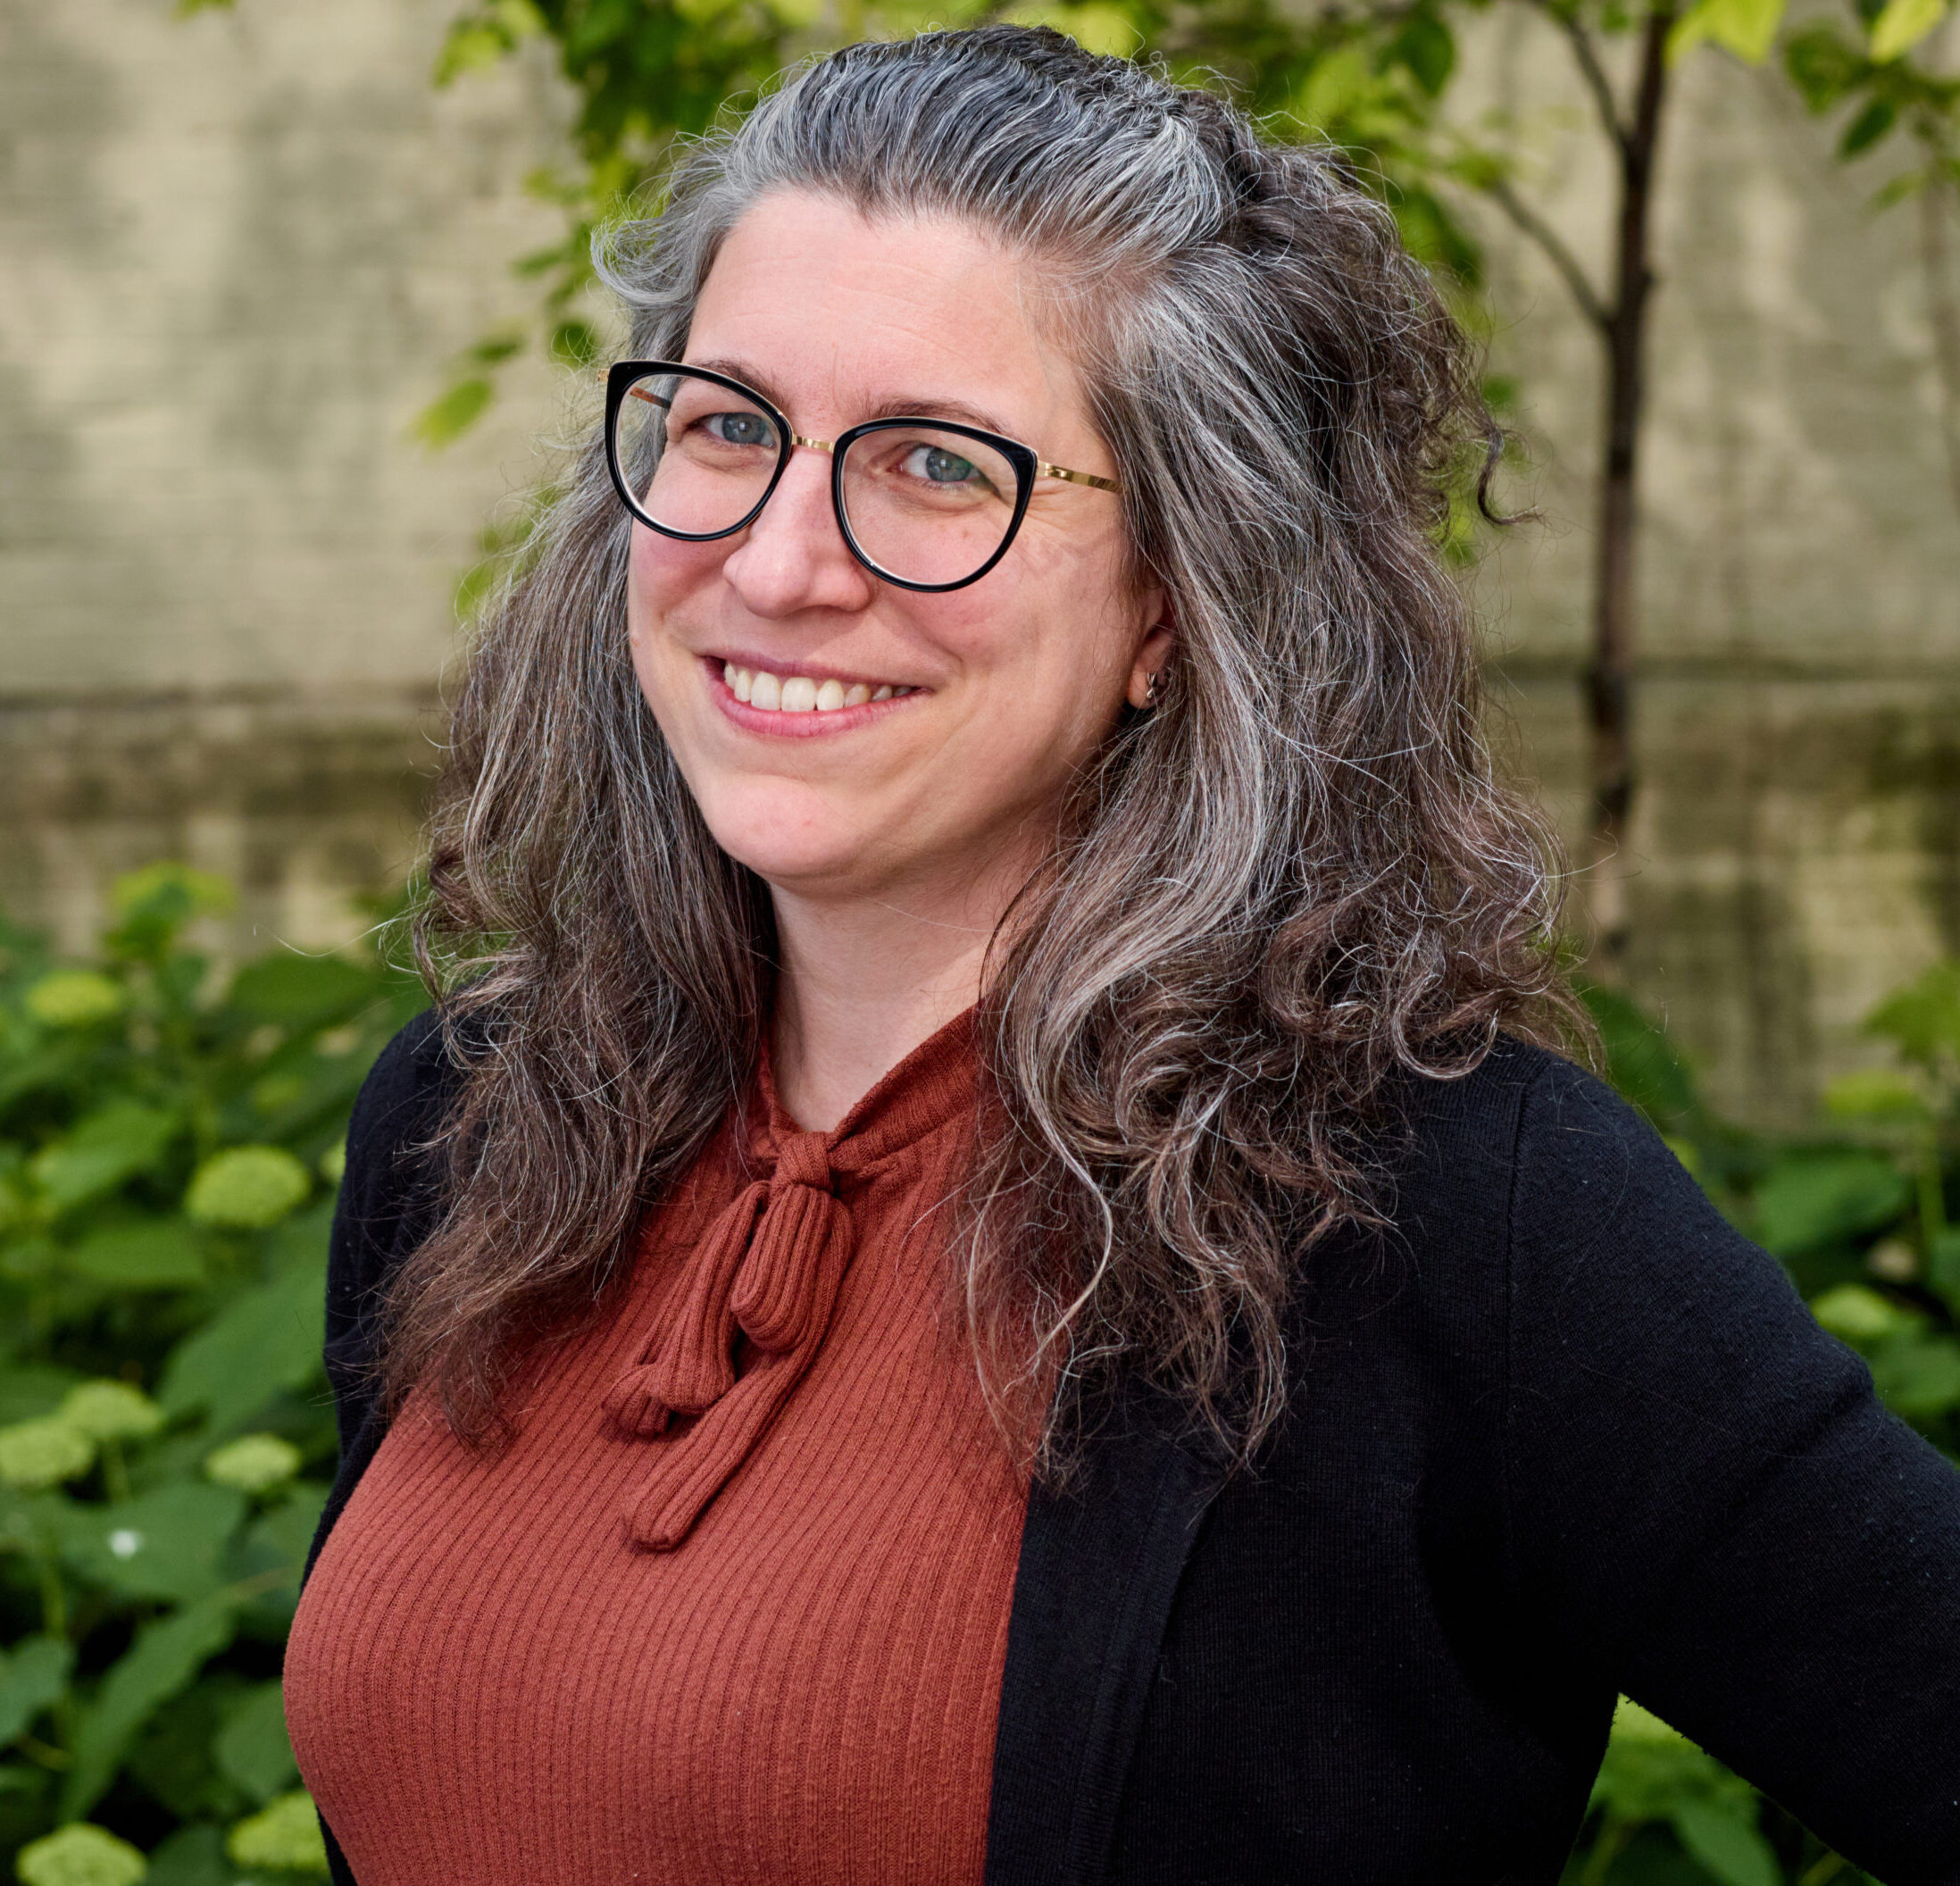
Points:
x=1150 y=690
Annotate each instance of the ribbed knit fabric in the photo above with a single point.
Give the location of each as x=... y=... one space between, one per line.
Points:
x=733 y=1606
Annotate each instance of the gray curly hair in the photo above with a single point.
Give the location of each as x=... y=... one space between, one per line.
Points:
x=1271 y=901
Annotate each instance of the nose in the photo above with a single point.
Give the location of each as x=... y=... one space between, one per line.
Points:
x=793 y=557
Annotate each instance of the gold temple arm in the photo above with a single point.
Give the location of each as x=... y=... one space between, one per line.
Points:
x=1076 y=478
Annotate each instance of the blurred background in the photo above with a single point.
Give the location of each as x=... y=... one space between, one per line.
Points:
x=294 y=321
x=242 y=253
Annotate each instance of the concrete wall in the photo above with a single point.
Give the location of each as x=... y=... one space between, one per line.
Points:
x=1796 y=847
x=237 y=253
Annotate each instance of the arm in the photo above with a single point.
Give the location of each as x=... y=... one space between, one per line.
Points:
x=1709 y=1505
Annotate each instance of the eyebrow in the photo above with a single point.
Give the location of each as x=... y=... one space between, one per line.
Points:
x=904 y=407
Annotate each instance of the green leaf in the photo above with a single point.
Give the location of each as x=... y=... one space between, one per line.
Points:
x=166 y=1655
x=574 y=344
x=300 y=992
x=155 y=903
x=1824 y=66
x=1903 y=25
x=39 y=1453
x=1877 y=1097
x=284 y=1535
x=1723 y=1837
x=33 y=1674
x=161 y=1254
x=1640 y=1061
x=252 y=1749
x=1943 y=1267
x=284 y=1835
x=1095 y=27
x=81 y=1856
x=1868 y=127
x=1922 y=1020
x=446 y=420
x=265 y=1341
x=74 y=998
x=1334 y=83
x=31 y=1389
x=247 y=1187
x=112 y=1144
x=1856 y=1314
x=1810 y=1199
x=192 y=1856
x=109 y=1410
x=1428 y=48
x=1746 y=28
x=1642 y=1779
x=165 y=1544
x=254 y=1463
x=301 y=1242
x=1919 y=1376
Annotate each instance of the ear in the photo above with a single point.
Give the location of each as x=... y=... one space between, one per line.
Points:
x=1153 y=653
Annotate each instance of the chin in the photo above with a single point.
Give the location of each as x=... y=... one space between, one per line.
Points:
x=795 y=846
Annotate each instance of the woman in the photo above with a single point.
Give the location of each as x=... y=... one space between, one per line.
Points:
x=978 y=1277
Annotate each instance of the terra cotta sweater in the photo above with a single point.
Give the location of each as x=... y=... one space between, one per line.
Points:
x=733 y=1606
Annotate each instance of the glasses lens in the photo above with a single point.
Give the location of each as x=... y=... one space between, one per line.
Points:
x=697 y=456
x=926 y=506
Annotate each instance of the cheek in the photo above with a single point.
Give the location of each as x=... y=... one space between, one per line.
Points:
x=662 y=575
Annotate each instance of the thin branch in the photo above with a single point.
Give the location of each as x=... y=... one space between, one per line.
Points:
x=1553 y=244
x=1595 y=75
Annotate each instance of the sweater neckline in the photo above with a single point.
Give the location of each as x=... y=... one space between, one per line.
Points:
x=932 y=1085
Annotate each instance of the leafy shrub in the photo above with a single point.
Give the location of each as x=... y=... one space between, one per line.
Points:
x=169 y=1142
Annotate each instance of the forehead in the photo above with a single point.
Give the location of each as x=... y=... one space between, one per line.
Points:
x=820 y=304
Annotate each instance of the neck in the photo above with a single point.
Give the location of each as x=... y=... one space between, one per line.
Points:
x=862 y=981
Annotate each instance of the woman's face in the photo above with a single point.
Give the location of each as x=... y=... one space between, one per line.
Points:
x=1000 y=689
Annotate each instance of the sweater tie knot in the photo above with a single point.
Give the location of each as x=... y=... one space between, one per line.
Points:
x=765 y=1279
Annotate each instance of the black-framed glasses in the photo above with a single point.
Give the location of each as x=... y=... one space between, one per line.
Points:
x=926 y=504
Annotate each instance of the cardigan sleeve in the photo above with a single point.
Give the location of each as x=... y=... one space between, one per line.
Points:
x=1708 y=1505
x=380 y=1214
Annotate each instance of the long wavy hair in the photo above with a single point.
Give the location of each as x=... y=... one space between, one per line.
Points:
x=1291 y=885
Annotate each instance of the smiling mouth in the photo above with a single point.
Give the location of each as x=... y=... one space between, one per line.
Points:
x=769 y=693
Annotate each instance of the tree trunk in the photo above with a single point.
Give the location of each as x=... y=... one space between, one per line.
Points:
x=1609 y=676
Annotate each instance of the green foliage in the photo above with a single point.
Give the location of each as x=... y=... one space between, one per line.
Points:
x=166 y=1135
x=283 y=1835
x=1860 y=69
x=81 y=1856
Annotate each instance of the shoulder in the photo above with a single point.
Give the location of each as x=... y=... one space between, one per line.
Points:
x=1531 y=1188
x=1481 y=1154
x=404 y=1096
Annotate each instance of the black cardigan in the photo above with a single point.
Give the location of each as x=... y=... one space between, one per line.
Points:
x=1562 y=1434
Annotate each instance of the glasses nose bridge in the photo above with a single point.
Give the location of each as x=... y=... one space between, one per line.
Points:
x=771 y=505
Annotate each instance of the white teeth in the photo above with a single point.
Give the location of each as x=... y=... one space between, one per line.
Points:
x=800 y=694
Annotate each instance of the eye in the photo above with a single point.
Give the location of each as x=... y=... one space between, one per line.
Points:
x=738 y=429
x=938 y=466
